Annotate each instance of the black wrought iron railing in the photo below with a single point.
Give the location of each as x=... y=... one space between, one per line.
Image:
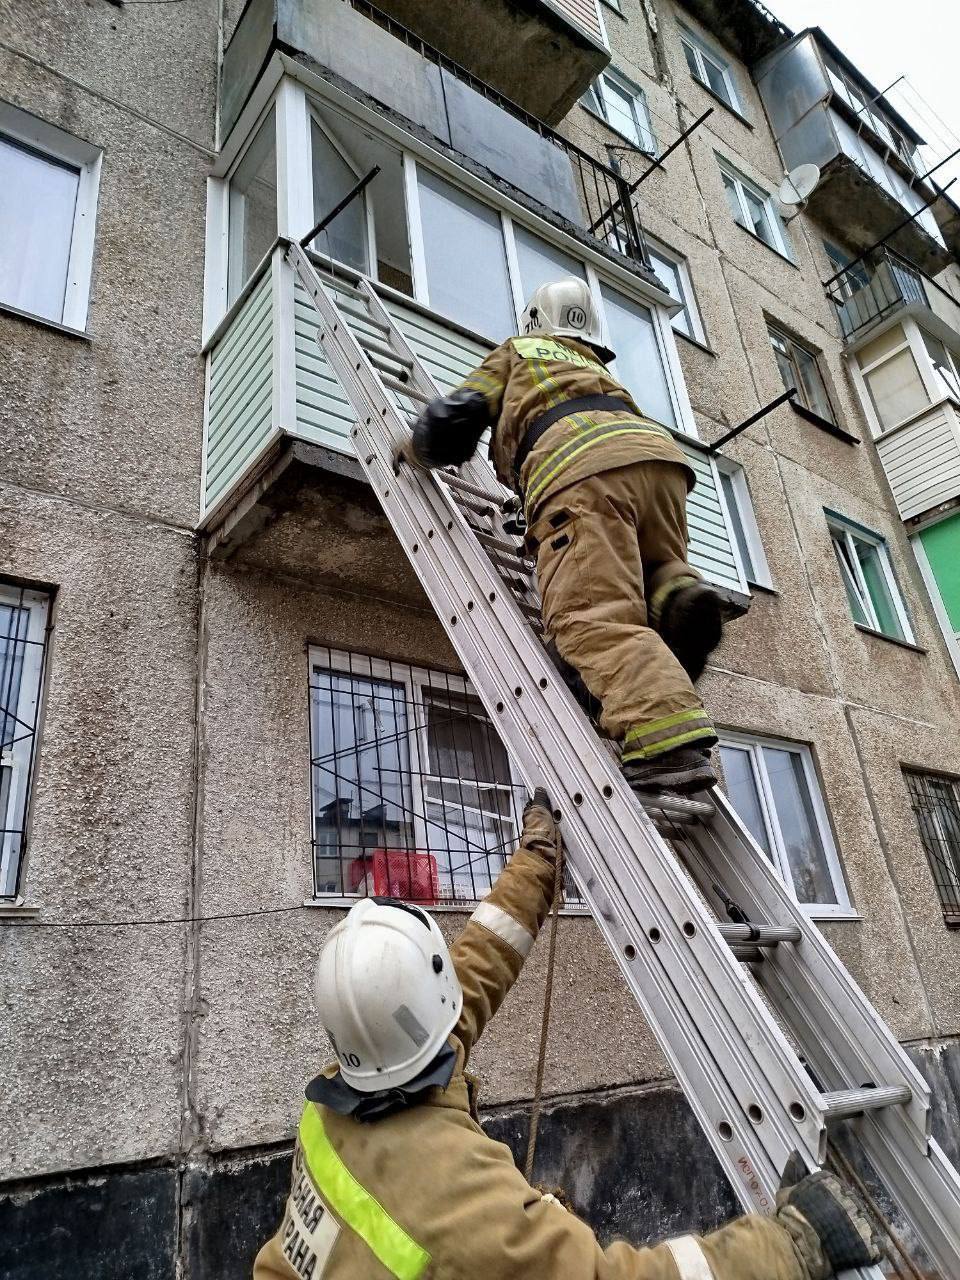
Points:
x=877 y=284
x=608 y=206
x=936 y=806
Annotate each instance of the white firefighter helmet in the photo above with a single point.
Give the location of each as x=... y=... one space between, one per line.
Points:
x=565 y=308
x=387 y=993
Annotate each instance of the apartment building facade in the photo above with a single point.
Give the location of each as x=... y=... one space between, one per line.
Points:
x=227 y=707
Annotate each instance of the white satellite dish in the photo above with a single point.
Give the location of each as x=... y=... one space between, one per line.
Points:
x=796 y=188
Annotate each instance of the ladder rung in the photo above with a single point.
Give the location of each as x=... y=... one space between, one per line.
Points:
x=760 y=935
x=498 y=544
x=341 y=286
x=750 y=955
x=466 y=505
x=363 y=313
x=678 y=807
x=512 y=563
x=853 y=1102
x=403 y=388
x=463 y=486
x=373 y=346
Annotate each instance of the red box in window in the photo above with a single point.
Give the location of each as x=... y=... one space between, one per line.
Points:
x=396 y=873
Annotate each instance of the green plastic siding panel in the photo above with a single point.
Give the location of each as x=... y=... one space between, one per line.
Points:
x=941 y=542
x=711 y=549
x=323 y=411
x=241 y=391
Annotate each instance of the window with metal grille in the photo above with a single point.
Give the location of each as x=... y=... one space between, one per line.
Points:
x=413 y=793
x=23 y=640
x=936 y=804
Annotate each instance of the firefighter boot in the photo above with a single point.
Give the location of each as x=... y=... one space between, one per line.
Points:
x=682 y=770
x=691 y=625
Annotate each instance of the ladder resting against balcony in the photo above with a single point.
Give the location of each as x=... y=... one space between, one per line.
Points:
x=655 y=878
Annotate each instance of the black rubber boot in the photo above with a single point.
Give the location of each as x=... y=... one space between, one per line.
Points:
x=682 y=770
x=691 y=626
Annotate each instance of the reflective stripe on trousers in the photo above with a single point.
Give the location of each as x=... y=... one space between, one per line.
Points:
x=588 y=434
x=357 y=1208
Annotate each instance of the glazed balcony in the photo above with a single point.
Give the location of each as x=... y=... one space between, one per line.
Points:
x=872 y=180
x=278 y=453
x=540 y=54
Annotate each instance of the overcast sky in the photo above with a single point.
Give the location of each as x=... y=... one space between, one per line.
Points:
x=888 y=38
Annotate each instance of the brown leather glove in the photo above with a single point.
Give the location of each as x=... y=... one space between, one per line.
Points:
x=828 y=1227
x=404 y=453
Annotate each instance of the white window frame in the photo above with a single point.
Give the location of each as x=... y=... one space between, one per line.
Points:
x=743 y=184
x=49 y=141
x=688 y=295
x=912 y=341
x=761 y=576
x=20 y=757
x=647 y=143
x=415 y=681
x=774 y=331
x=851 y=575
x=753 y=743
x=368 y=217
x=702 y=51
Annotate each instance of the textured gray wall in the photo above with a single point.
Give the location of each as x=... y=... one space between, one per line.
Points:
x=173 y=1042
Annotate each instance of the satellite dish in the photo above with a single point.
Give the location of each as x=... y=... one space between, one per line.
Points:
x=796 y=188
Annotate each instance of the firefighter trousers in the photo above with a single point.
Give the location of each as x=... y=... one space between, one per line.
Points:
x=607 y=546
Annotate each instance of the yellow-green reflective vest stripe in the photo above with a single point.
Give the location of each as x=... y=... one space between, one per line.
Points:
x=398 y=1252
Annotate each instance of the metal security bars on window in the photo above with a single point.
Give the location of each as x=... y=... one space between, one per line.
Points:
x=936 y=804
x=413 y=793
x=23 y=640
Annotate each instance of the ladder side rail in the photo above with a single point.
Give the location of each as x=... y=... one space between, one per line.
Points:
x=818 y=998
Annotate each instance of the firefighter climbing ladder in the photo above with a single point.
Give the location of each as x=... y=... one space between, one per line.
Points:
x=708 y=990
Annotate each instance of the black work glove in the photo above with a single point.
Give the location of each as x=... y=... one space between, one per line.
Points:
x=539 y=826
x=828 y=1227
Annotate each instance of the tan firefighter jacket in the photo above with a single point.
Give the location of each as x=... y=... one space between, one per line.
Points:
x=526 y=376
x=424 y=1194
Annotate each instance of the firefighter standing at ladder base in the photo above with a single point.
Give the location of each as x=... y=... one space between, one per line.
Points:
x=605 y=492
x=393 y=1176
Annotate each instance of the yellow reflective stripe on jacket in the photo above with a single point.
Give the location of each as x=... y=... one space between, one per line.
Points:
x=398 y=1252
x=560 y=458
x=544 y=348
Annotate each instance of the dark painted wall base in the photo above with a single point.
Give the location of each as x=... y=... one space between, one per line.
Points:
x=631 y=1163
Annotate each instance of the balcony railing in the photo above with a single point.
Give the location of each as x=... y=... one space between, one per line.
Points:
x=607 y=204
x=883 y=283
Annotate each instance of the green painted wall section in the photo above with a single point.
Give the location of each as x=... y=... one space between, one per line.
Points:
x=941 y=542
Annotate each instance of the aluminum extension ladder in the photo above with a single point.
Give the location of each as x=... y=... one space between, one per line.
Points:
x=708 y=990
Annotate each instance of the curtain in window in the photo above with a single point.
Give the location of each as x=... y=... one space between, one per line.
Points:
x=361 y=775
x=13 y=636
x=896 y=389
x=467 y=793
x=638 y=365
x=799 y=833
x=744 y=793
x=38 y=199
x=466 y=260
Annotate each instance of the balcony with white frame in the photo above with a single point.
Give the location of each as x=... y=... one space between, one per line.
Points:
x=453 y=259
x=822 y=113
